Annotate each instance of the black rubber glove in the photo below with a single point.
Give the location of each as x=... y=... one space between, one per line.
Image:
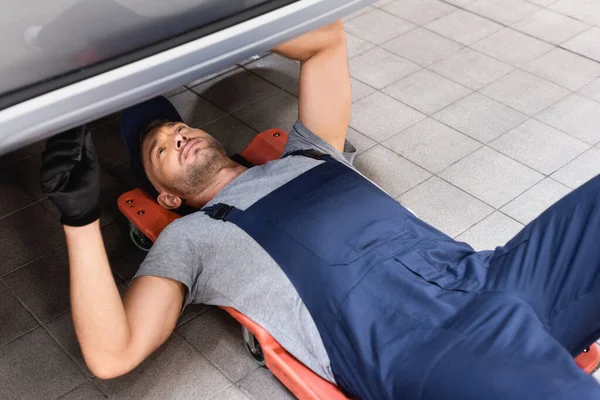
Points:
x=70 y=176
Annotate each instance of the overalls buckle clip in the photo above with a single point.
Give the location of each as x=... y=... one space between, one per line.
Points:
x=220 y=211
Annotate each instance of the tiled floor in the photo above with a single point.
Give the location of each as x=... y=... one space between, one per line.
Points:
x=476 y=114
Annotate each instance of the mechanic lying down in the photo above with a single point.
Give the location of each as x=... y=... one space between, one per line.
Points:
x=344 y=277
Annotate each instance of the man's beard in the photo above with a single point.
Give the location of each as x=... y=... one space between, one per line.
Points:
x=209 y=161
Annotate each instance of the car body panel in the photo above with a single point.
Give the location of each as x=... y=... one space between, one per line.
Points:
x=110 y=91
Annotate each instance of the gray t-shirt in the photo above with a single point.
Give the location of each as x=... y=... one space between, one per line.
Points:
x=221 y=265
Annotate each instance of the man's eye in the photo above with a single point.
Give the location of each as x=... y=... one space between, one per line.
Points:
x=179 y=129
x=160 y=151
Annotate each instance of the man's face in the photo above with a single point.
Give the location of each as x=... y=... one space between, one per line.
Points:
x=181 y=160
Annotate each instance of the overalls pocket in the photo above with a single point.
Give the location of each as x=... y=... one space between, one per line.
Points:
x=430 y=261
x=343 y=219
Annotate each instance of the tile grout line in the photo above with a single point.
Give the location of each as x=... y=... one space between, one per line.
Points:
x=32 y=261
x=504 y=25
x=15 y=297
x=240 y=108
x=85 y=383
x=43 y=326
x=175 y=332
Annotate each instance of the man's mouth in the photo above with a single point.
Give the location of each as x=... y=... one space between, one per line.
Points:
x=189 y=147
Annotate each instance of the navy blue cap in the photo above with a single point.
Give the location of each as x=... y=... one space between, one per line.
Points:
x=133 y=122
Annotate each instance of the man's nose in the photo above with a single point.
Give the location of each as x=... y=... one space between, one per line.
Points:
x=180 y=141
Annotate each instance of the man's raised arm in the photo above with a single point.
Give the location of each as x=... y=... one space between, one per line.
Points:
x=325 y=93
x=114 y=335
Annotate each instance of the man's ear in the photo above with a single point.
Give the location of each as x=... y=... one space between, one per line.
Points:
x=168 y=201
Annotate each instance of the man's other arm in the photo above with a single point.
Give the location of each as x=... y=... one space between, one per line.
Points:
x=116 y=334
x=325 y=92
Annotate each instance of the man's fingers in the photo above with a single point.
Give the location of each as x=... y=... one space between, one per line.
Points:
x=70 y=142
x=53 y=166
x=88 y=148
x=54 y=183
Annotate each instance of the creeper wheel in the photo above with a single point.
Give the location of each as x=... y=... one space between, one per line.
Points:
x=253 y=347
x=139 y=239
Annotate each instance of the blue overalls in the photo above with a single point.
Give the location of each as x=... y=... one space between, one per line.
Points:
x=406 y=312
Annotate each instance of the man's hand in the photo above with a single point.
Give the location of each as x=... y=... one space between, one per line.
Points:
x=70 y=176
x=325 y=92
x=115 y=335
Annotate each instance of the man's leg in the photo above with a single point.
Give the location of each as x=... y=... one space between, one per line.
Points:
x=505 y=353
x=554 y=266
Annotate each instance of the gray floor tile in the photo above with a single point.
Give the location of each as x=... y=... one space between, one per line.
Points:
x=542 y=2
x=426 y=91
x=360 y=141
x=491 y=176
x=110 y=189
x=422 y=46
x=357 y=45
x=525 y=92
x=360 y=90
x=124 y=257
x=464 y=27
x=388 y=26
x=21 y=153
x=26 y=174
x=592 y=90
x=471 y=68
x=460 y=3
x=358 y=13
x=480 y=117
x=381 y=3
x=432 y=145
x=15 y=321
x=503 y=11
x=124 y=174
x=27 y=235
x=293 y=89
x=218 y=337
x=580 y=170
x=104 y=120
x=391 y=172
x=512 y=47
x=444 y=206
x=586 y=44
x=576 y=115
x=87 y=391
x=419 y=12
x=379 y=68
x=278 y=111
x=493 y=231
x=585 y=10
x=539 y=146
x=63 y=331
x=261 y=384
x=231 y=393
x=234 y=134
x=564 y=68
x=43 y=285
x=34 y=367
x=230 y=91
x=197 y=112
x=173 y=92
x=276 y=69
x=108 y=144
x=191 y=312
x=379 y=116
x=536 y=200
x=12 y=195
x=174 y=371
x=550 y=26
